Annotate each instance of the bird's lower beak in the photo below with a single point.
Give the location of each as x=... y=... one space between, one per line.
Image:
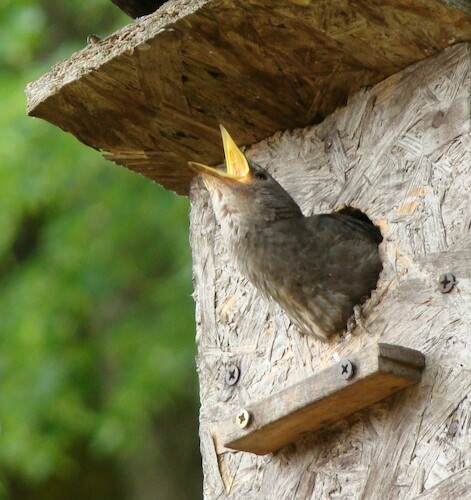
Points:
x=237 y=165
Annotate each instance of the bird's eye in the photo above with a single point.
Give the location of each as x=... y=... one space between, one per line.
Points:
x=261 y=175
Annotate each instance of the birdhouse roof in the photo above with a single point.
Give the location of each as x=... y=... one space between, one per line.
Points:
x=152 y=94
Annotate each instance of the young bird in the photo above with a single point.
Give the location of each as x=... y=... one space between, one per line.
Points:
x=317 y=268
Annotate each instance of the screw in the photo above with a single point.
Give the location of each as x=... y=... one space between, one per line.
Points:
x=232 y=375
x=243 y=418
x=438 y=119
x=346 y=369
x=446 y=282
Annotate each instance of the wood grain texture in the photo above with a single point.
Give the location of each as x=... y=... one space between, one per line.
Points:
x=152 y=94
x=322 y=399
x=402 y=154
x=457 y=486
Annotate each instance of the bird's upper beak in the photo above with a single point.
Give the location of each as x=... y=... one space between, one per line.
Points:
x=237 y=165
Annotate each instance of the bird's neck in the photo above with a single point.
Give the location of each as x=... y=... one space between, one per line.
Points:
x=244 y=219
x=236 y=228
x=246 y=235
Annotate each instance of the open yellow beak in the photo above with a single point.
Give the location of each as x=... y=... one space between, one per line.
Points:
x=237 y=165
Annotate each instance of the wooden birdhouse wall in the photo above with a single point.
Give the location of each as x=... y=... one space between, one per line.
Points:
x=400 y=152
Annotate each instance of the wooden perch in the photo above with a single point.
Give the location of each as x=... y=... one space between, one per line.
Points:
x=153 y=93
x=368 y=376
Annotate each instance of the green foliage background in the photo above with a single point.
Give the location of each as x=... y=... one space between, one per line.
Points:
x=97 y=375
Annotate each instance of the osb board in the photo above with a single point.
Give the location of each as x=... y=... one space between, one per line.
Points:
x=162 y=84
x=401 y=152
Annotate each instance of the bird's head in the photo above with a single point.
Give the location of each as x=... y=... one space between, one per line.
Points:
x=243 y=194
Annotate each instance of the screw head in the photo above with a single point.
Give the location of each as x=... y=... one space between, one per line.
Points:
x=232 y=375
x=346 y=369
x=243 y=418
x=446 y=282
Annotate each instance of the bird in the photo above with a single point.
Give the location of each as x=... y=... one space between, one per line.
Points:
x=138 y=8
x=317 y=268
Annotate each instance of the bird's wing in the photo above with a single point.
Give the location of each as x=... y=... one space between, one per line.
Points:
x=348 y=226
x=338 y=251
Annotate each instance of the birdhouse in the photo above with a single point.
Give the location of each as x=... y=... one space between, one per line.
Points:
x=351 y=106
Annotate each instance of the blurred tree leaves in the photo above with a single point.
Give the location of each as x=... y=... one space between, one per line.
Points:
x=96 y=315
